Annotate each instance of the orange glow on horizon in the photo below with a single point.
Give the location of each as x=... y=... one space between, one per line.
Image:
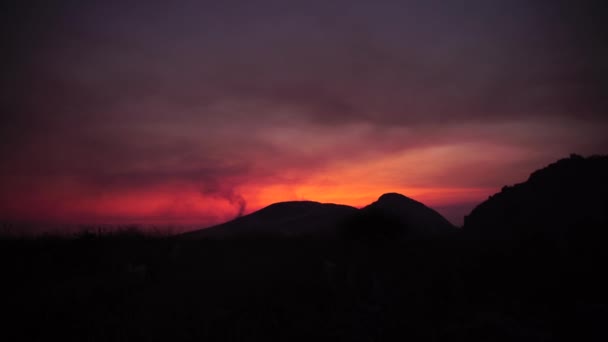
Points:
x=190 y=207
x=356 y=182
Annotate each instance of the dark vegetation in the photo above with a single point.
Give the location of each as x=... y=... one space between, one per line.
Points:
x=369 y=283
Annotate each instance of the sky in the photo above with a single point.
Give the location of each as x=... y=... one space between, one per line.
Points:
x=191 y=113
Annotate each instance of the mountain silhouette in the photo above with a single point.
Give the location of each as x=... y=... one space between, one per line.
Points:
x=391 y=215
x=395 y=215
x=297 y=218
x=566 y=201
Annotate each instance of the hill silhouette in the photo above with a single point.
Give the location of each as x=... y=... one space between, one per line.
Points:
x=395 y=215
x=565 y=202
x=287 y=219
x=392 y=215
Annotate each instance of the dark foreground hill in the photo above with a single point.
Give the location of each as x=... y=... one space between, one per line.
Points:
x=565 y=202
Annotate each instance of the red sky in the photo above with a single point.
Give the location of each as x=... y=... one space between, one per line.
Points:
x=192 y=113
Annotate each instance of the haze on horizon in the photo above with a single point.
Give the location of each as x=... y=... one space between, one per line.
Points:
x=194 y=112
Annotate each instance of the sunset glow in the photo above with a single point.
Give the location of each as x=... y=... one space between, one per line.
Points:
x=194 y=114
